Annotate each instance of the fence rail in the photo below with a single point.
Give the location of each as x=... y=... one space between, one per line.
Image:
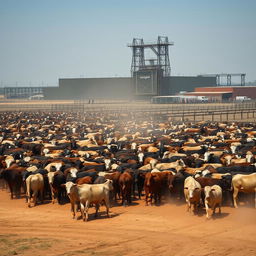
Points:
x=193 y=112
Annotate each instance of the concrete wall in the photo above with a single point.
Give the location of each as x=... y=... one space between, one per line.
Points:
x=120 y=87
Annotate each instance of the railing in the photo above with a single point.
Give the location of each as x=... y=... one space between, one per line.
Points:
x=180 y=112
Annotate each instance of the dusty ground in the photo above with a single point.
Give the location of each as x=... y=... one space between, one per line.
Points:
x=135 y=230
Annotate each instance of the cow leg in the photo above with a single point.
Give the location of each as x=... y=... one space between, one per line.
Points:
x=107 y=206
x=29 y=201
x=195 y=208
x=87 y=205
x=188 y=206
x=133 y=190
x=139 y=193
x=146 y=196
x=156 y=198
x=53 y=199
x=35 y=197
x=73 y=210
x=82 y=210
x=213 y=209
x=235 y=193
x=97 y=206
x=52 y=194
x=159 y=198
x=42 y=195
x=123 y=198
x=146 y=199
x=219 y=208
x=151 y=198
x=207 y=210
x=59 y=196
x=129 y=197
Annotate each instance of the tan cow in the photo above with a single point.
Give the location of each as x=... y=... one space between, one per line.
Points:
x=192 y=193
x=213 y=198
x=244 y=183
x=35 y=184
x=88 y=194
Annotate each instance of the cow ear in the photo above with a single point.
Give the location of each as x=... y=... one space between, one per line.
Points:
x=63 y=185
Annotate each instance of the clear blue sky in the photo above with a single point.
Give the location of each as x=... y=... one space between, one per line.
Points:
x=43 y=40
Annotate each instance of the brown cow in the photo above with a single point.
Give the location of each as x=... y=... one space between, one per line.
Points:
x=115 y=178
x=156 y=184
x=13 y=177
x=125 y=183
x=84 y=180
x=152 y=187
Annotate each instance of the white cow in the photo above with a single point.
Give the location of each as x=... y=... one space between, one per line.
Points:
x=192 y=193
x=88 y=194
x=35 y=184
x=244 y=183
x=213 y=198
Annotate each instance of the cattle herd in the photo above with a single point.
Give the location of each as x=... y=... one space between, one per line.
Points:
x=92 y=159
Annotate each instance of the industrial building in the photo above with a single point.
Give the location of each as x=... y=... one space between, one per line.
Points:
x=120 y=87
x=224 y=93
x=21 y=92
x=149 y=77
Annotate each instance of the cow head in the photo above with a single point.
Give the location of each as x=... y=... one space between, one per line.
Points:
x=58 y=166
x=233 y=149
x=192 y=191
x=51 y=177
x=68 y=186
x=206 y=156
x=73 y=172
x=107 y=163
x=248 y=157
x=228 y=158
x=140 y=157
x=109 y=183
x=133 y=146
x=166 y=155
x=9 y=160
x=207 y=191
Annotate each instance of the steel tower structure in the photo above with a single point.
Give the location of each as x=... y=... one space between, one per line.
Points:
x=160 y=49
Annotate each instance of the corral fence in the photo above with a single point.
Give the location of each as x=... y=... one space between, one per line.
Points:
x=177 y=112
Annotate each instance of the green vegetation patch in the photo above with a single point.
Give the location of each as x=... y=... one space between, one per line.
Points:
x=11 y=245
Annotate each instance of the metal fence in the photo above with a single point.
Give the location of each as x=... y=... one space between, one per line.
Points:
x=194 y=112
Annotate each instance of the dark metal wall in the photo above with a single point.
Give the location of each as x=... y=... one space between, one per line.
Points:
x=120 y=87
x=174 y=84
x=85 y=88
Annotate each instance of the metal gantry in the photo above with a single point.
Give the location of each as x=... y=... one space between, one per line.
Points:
x=160 y=49
x=228 y=77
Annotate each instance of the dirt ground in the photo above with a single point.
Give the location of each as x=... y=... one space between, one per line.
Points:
x=168 y=229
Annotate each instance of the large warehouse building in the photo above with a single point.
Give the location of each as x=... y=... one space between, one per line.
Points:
x=120 y=87
x=149 y=77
